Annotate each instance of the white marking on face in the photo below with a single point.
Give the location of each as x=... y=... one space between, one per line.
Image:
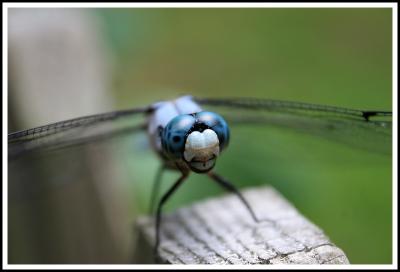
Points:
x=201 y=146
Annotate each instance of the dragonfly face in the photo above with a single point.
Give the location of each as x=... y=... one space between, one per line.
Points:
x=196 y=139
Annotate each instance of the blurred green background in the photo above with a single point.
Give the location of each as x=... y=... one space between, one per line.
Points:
x=340 y=57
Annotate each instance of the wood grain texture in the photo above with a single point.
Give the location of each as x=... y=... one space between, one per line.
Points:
x=221 y=231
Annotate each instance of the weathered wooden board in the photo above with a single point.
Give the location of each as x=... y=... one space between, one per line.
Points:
x=221 y=231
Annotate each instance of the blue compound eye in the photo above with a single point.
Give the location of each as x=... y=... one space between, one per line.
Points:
x=217 y=124
x=173 y=136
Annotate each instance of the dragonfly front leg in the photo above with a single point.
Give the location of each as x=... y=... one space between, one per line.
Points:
x=156 y=187
x=161 y=203
x=230 y=187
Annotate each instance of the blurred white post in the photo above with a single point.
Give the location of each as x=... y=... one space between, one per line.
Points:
x=59 y=69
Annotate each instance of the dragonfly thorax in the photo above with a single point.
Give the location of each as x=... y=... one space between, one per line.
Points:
x=195 y=139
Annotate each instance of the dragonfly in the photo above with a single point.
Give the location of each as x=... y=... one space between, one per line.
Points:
x=188 y=138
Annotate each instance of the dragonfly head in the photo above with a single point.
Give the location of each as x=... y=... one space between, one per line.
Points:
x=196 y=138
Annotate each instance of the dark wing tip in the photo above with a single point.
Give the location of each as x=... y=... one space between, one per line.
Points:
x=368 y=114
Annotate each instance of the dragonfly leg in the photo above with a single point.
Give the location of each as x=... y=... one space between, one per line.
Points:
x=230 y=187
x=156 y=187
x=164 y=198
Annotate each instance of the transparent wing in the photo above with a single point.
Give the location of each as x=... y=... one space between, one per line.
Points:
x=75 y=131
x=367 y=129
